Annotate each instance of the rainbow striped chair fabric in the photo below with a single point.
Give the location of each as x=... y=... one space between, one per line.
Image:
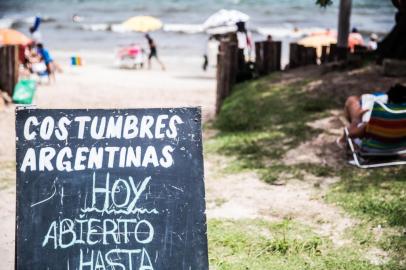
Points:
x=385 y=137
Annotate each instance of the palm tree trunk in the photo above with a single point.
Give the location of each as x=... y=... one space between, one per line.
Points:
x=343 y=28
x=344 y=23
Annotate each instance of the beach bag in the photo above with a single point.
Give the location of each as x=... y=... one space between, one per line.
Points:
x=24 y=92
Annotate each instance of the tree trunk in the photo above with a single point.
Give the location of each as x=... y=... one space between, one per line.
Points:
x=344 y=17
x=394 y=44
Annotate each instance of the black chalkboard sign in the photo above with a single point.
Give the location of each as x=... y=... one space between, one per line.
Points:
x=110 y=189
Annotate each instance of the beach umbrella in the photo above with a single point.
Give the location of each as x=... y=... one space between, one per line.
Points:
x=13 y=37
x=317 y=41
x=225 y=17
x=142 y=24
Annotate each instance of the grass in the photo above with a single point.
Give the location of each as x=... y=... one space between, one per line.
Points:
x=378 y=198
x=258 y=244
x=257 y=125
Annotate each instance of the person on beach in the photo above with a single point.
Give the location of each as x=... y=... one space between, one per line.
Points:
x=355 y=39
x=51 y=65
x=373 y=42
x=357 y=107
x=153 y=52
x=244 y=39
x=34 y=30
x=31 y=57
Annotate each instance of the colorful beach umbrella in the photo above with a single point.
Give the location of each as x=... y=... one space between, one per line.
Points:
x=318 y=40
x=13 y=37
x=142 y=24
x=225 y=17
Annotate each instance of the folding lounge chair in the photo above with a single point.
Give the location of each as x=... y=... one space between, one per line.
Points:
x=385 y=138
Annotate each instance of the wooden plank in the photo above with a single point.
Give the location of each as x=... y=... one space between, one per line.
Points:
x=302 y=57
x=332 y=56
x=226 y=71
x=266 y=58
x=3 y=68
x=9 y=64
x=9 y=70
x=324 y=54
x=16 y=67
x=240 y=60
x=220 y=79
x=293 y=55
x=277 y=55
x=233 y=54
x=258 y=57
x=271 y=57
x=311 y=56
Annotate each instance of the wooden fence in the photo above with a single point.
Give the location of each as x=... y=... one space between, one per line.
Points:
x=300 y=55
x=9 y=64
x=268 y=57
x=232 y=66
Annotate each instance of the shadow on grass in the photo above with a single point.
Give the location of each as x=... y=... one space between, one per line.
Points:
x=377 y=194
x=261 y=121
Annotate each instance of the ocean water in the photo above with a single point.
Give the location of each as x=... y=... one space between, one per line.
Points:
x=181 y=18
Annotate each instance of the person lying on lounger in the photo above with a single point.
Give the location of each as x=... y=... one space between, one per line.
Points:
x=358 y=109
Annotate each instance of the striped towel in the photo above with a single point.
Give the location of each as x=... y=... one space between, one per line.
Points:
x=386 y=130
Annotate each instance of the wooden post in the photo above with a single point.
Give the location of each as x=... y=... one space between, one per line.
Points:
x=233 y=60
x=332 y=56
x=220 y=81
x=311 y=56
x=14 y=66
x=293 y=55
x=344 y=16
x=226 y=71
x=240 y=60
x=258 y=57
x=324 y=55
x=9 y=64
x=266 y=56
x=359 y=49
x=302 y=59
x=3 y=68
x=277 y=55
x=271 y=57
